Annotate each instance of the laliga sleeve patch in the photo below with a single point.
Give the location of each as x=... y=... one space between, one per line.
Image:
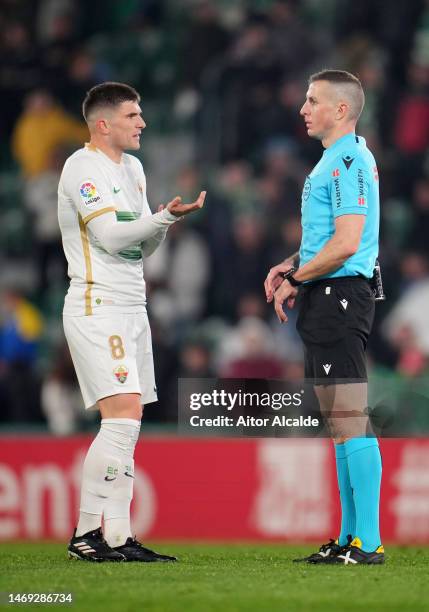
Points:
x=89 y=194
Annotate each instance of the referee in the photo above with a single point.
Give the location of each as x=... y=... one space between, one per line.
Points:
x=340 y=225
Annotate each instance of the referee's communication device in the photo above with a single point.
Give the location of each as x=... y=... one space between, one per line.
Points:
x=376 y=283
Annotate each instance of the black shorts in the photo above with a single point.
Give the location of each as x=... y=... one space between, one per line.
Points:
x=334 y=321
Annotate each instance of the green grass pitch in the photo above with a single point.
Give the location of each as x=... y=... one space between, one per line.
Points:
x=228 y=578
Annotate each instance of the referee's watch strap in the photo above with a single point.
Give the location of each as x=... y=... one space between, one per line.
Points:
x=289 y=276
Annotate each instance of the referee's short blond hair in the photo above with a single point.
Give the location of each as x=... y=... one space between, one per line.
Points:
x=347 y=85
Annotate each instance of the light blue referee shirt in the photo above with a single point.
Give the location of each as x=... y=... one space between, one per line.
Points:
x=344 y=182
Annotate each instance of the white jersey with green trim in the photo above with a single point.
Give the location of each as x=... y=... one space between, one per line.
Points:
x=91 y=185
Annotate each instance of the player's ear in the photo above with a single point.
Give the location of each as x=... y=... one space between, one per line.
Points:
x=102 y=126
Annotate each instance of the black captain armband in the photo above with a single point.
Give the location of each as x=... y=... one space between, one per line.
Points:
x=289 y=276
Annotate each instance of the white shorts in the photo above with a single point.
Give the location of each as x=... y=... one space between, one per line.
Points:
x=112 y=354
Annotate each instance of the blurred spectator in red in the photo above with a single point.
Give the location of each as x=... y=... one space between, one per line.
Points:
x=42 y=127
x=412 y=122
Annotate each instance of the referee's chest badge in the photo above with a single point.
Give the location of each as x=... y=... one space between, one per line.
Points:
x=121 y=373
x=307 y=189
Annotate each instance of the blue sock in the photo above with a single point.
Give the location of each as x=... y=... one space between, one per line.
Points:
x=364 y=461
x=348 y=515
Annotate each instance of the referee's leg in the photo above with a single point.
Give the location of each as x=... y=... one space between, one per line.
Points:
x=358 y=462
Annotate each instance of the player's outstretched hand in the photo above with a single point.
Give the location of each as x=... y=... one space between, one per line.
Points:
x=274 y=278
x=176 y=208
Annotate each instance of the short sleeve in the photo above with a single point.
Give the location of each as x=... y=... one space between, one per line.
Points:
x=88 y=188
x=349 y=186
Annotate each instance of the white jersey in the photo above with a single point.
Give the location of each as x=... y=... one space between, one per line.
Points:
x=92 y=184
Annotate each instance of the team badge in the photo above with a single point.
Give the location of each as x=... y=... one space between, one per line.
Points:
x=307 y=189
x=121 y=373
x=89 y=193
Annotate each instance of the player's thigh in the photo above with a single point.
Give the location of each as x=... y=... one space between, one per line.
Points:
x=121 y=406
x=103 y=350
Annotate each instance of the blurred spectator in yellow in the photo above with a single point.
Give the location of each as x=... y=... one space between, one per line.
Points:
x=42 y=127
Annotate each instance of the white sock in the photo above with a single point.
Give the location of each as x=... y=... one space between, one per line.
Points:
x=123 y=435
x=87 y=522
x=101 y=469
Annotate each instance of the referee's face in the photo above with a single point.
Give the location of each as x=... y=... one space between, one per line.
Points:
x=319 y=110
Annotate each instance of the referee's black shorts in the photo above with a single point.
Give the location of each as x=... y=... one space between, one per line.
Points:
x=334 y=321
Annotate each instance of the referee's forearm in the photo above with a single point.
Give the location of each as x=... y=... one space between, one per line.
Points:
x=333 y=255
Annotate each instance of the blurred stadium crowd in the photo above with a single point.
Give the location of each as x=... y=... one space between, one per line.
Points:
x=221 y=84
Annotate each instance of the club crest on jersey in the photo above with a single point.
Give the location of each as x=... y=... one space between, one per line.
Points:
x=121 y=373
x=89 y=193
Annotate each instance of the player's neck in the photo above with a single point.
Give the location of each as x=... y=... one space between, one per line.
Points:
x=337 y=134
x=112 y=153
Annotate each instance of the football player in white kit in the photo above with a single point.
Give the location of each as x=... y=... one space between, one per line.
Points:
x=107 y=230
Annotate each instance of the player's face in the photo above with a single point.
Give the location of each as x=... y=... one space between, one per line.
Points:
x=319 y=110
x=126 y=124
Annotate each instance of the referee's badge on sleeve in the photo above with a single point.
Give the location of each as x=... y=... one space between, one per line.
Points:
x=89 y=194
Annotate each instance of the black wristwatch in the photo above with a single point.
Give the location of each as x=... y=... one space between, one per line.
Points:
x=289 y=276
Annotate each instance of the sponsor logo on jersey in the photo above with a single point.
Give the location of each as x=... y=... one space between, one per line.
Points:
x=89 y=194
x=336 y=172
x=337 y=192
x=121 y=373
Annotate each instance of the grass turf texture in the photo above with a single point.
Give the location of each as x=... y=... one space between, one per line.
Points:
x=210 y=577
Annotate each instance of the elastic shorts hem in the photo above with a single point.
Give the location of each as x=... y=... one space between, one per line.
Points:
x=318 y=382
x=144 y=400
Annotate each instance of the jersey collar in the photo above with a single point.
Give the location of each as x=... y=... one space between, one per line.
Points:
x=344 y=142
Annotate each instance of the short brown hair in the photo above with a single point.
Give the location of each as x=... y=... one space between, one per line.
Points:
x=108 y=94
x=350 y=82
